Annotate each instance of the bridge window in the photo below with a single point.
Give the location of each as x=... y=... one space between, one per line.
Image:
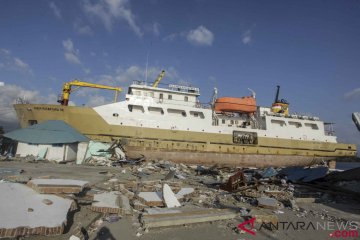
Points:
x=186 y=98
x=312 y=126
x=170 y=97
x=156 y=110
x=295 y=124
x=136 y=108
x=197 y=114
x=176 y=112
x=278 y=122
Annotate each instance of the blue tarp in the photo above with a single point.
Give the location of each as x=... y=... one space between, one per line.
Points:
x=49 y=132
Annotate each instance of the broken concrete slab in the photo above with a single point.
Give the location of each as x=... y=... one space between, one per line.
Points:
x=111 y=202
x=107 y=202
x=162 y=210
x=155 y=199
x=169 y=197
x=164 y=218
x=58 y=185
x=151 y=199
x=184 y=192
x=270 y=203
x=25 y=212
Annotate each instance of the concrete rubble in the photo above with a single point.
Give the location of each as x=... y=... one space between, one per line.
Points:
x=165 y=218
x=25 y=212
x=158 y=194
x=57 y=185
x=111 y=202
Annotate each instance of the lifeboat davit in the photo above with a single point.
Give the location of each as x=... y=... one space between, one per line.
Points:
x=240 y=105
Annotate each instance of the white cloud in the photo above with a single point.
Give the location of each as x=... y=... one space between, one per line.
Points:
x=153 y=28
x=86 y=70
x=12 y=63
x=354 y=94
x=108 y=11
x=9 y=94
x=134 y=72
x=97 y=100
x=156 y=28
x=171 y=37
x=21 y=64
x=71 y=53
x=82 y=29
x=56 y=10
x=72 y=58
x=2 y=84
x=200 y=36
x=246 y=37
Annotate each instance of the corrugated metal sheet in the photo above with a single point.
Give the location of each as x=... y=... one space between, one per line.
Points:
x=49 y=132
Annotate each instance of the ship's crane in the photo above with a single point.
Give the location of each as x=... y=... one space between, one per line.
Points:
x=64 y=97
x=157 y=81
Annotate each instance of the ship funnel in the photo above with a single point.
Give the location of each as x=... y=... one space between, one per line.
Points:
x=277 y=94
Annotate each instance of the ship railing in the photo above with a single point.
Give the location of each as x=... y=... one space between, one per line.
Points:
x=173 y=87
x=139 y=82
x=203 y=105
x=21 y=101
x=329 y=133
x=329 y=129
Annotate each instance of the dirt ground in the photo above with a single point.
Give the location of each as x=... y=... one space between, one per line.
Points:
x=128 y=227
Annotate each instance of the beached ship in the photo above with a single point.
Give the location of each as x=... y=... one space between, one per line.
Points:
x=170 y=123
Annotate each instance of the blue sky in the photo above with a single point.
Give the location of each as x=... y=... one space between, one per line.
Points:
x=310 y=48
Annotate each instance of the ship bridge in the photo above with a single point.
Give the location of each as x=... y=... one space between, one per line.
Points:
x=172 y=94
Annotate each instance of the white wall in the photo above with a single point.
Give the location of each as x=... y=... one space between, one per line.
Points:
x=54 y=152
x=81 y=152
x=71 y=150
x=24 y=149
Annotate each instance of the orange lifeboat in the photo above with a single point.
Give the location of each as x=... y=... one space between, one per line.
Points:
x=231 y=104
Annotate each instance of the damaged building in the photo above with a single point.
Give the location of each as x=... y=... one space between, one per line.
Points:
x=52 y=140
